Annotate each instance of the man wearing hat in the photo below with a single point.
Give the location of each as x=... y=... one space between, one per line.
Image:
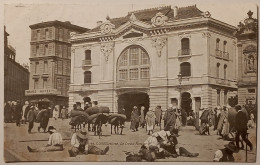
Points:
x=204 y=118
x=54 y=144
x=169 y=118
x=226 y=154
x=31 y=117
x=241 y=127
x=79 y=142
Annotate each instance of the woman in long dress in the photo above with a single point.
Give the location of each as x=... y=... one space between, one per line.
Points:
x=142 y=121
x=134 y=119
x=63 y=113
x=56 y=112
x=150 y=120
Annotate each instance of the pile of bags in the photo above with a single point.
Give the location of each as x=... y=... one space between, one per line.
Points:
x=112 y=118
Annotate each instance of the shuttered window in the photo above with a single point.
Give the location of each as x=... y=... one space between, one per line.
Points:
x=185 y=69
x=185 y=43
x=87 y=77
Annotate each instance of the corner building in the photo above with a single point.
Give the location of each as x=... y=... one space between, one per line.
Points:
x=136 y=60
x=247 y=60
x=50 y=62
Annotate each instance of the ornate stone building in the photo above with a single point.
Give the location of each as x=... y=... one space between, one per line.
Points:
x=247 y=60
x=155 y=57
x=50 y=62
x=16 y=76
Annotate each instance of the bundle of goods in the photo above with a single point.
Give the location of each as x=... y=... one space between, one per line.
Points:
x=40 y=114
x=95 y=118
x=98 y=109
x=113 y=117
x=78 y=117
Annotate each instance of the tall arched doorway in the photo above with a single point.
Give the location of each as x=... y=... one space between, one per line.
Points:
x=186 y=102
x=131 y=99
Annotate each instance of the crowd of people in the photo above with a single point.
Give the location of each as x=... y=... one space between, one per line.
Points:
x=230 y=123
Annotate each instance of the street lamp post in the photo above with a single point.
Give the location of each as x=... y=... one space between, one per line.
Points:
x=180 y=80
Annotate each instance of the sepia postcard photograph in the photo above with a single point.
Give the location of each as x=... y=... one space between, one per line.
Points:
x=129 y=81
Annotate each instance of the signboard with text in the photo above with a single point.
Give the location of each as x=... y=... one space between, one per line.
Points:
x=42 y=92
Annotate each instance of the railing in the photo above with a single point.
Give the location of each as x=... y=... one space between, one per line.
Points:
x=219 y=53
x=86 y=62
x=184 y=52
x=225 y=55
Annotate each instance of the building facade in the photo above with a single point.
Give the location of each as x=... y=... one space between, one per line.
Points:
x=247 y=39
x=50 y=62
x=155 y=57
x=16 y=76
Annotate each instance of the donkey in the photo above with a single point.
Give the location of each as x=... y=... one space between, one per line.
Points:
x=117 y=123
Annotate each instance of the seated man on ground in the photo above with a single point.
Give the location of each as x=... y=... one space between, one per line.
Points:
x=226 y=154
x=54 y=143
x=163 y=144
x=79 y=142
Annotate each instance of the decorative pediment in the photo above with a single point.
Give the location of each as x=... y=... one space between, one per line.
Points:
x=184 y=35
x=250 y=48
x=107 y=28
x=159 y=19
x=132 y=18
x=206 y=14
x=132 y=35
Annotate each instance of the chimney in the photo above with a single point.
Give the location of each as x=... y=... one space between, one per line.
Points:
x=175 y=11
x=99 y=23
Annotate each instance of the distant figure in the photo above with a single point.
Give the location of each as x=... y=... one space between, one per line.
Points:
x=158 y=115
x=18 y=113
x=54 y=144
x=142 y=121
x=63 y=113
x=44 y=120
x=134 y=119
x=150 y=120
x=31 y=116
x=24 y=115
x=86 y=106
x=7 y=112
x=169 y=118
x=226 y=154
x=56 y=112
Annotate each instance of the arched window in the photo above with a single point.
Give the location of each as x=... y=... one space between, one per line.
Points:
x=88 y=55
x=225 y=46
x=218 y=65
x=225 y=71
x=133 y=64
x=185 y=69
x=185 y=46
x=217 y=43
x=87 y=77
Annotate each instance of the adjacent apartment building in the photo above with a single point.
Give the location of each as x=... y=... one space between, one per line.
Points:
x=247 y=36
x=155 y=57
x=50 y=62
x=16 y=76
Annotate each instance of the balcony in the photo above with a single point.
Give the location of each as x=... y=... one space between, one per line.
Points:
x=218 y=53
x=35 y=76
x=45 y=75
x=225 y=55
x=86 y=64
x=184 y=52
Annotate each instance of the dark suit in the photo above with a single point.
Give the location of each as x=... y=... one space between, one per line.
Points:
x=241 y=127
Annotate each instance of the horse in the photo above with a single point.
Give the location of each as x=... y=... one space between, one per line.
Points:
x=98 y=122
x=118 y=122
x=78 y=121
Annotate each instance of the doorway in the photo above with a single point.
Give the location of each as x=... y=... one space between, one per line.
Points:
x=129 y=100
x=186 y=102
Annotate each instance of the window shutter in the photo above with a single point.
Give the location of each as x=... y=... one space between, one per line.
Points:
x=50 y=48
x=64 y=67
x=60 y=50
x=69 y=66
x=42 y=34
x=33 y=50
x=69 y=52
x=56 y=67
x=34 y=35
x=56 y=33
x=65 y=34
x=41 y=50
x=50 y=33
x=65 y=51
x=60 y=34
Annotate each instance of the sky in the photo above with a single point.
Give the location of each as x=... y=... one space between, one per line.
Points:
x=18 y=16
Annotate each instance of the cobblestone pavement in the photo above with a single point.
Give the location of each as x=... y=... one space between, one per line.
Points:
x=17 y=139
